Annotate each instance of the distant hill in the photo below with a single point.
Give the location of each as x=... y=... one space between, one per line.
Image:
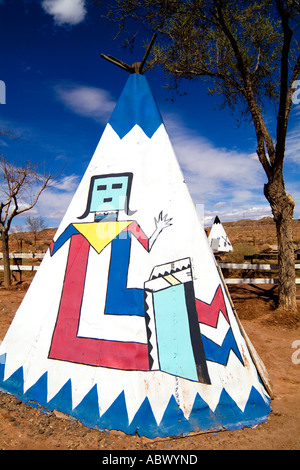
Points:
x=256 y=233
x=24 y=241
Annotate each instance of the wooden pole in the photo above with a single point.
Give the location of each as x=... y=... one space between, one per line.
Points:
x=137 y=67
x=118 y=62
x=142 y=63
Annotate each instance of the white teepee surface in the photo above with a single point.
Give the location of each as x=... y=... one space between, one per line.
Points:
x=127 y=324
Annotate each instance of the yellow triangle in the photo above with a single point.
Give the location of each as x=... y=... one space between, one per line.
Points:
x=100 y=234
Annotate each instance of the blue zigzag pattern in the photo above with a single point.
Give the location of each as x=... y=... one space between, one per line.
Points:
x=220 y=354
x=227 y=415
x=138 y=98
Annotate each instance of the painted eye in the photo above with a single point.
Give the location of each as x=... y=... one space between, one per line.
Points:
x=101 y=187
x=117 y=185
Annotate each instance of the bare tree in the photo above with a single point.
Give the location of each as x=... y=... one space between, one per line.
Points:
x=20 y=189
x=36 y=224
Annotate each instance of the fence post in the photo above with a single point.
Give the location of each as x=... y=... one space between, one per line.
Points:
x=18 y=262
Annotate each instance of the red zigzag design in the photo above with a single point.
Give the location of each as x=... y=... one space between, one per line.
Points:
x=209 y=313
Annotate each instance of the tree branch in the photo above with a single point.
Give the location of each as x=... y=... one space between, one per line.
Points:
x=257 y=62
x=260 y=127
x=17 y=181
x=282 y=121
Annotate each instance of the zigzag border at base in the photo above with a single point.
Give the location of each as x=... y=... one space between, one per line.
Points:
x=227 y=414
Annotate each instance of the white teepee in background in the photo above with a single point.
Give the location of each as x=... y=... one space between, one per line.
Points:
x=218 y=238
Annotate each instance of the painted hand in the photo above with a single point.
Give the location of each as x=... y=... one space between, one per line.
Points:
x=160 y=223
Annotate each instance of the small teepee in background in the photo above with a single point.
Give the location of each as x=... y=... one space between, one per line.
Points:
x=127 y=324
x=218 y=238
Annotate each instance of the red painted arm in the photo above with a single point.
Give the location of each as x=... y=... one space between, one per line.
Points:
x=136 y=230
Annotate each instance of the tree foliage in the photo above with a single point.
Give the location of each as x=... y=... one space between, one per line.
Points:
x=248 y=52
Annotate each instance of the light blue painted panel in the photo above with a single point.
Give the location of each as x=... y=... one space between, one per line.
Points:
x=173 y=334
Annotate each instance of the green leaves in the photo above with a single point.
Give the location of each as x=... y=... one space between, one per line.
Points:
x=234 y=44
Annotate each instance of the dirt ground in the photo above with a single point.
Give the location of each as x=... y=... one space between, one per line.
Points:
x=276 y=338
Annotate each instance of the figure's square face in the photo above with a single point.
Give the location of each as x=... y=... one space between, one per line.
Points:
x=109 y=193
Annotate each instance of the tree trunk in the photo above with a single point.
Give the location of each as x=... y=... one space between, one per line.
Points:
x=282 y=206
x=6 y=263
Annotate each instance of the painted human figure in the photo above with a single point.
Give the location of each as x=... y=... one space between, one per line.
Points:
x=108 y=195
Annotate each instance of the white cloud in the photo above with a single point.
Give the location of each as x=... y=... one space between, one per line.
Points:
x=238 y=213
x=213 y=173
x=54 y=200
x=292 y=152
x=65 y=11
x=220 y=204
x=228 y=183
x=91 y=102
x=67 y=183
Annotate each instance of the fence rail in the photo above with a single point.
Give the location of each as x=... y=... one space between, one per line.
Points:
x=24 y=255
x=14 y=267
x=254 y=267
x=17 y=261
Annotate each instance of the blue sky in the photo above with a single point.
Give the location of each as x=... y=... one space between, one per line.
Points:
x=60 y=93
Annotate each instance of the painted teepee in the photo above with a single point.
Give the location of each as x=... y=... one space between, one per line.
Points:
x=127 y=324
x=218 y=238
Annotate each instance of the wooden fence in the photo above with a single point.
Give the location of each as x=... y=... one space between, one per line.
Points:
x=227 y=268
x=250 y=267
x=16 y=263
